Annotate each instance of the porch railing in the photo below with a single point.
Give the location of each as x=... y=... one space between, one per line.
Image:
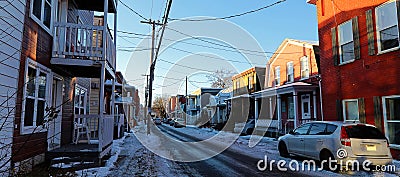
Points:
x=108 y=130
x=82 y=41
x=91 y=123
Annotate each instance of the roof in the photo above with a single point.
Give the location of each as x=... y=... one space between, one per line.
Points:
x=250 y=70
x=287 y=88
x=292 y=41
x=312 y=2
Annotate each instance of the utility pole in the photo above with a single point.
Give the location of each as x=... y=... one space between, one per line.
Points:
x=186 y=101
x=146 y=95
x=150 y=81
x=153 y=57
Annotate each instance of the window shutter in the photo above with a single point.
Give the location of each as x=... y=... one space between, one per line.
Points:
x=378 y=113
x=361 y=110
x=356 y=38
x=339 y=110
x=334 y=47
x=370 y=33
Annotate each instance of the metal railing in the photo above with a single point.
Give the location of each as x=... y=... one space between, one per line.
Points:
x=81 y=41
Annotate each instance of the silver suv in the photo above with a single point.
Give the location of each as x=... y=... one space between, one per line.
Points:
x=321 y=140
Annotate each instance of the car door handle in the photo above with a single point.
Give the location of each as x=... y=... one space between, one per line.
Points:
x=320 y=141
x=301 y=139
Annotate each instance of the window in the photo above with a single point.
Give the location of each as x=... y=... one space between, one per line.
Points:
x=346 y=43
x=302 y=130
x=391 y=113
x=80 y=100
x=289 y=71
x=386 y=26
x=251 y=82
x=318 y=129
x=237 y=84
x=36 y=96
x=277 y=76
x=330 y=129
x=305 y=68
x=350 y=110
x=41 y=12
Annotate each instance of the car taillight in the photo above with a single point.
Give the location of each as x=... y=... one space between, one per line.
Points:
x=344 y=138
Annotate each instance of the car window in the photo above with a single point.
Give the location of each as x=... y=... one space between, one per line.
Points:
x=330 y=129
x=302 y=130
x=364 y=132
x=317 y=129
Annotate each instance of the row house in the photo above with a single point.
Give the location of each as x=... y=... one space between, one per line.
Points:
x=244 y=106
x=197 y=112
x=219 y=108
x=291 y=94
x=359 y=52
x=11 y=31
x=64 y=59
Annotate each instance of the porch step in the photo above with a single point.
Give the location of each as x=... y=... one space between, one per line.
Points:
x=65 y=165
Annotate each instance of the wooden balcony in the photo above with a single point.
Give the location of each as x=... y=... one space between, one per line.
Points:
x=79 y=49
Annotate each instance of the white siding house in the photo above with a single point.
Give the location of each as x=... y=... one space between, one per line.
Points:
x=11 y=28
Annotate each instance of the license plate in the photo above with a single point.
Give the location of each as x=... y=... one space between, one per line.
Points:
x=371 y=147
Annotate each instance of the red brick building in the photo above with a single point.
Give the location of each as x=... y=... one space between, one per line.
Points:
x=359 y=44
x=291 y=94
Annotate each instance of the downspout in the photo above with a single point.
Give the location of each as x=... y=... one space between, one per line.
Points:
x=320 y=96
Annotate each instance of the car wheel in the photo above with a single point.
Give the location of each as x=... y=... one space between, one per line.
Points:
x=327 y=161
x=283 y=149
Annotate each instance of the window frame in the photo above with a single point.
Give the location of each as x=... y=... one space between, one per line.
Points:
x=277 y=75
x=385 y=119
x=344 y=110
x=49 y=78
x=304 y=68
x=289 y=72
x=380 y=51
x=250 y=81
x=339 y=29
x=53 y=6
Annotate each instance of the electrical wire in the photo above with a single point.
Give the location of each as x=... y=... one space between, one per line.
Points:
x=227 y=17
x=137 y=13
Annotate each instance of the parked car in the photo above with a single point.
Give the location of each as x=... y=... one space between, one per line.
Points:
x=172 y=122
x=249 y=127
x=321 y=140
x=179 y=123
x=157 y=121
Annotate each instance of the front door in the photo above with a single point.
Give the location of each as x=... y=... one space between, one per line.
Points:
x=305 y=106
x=54 y=132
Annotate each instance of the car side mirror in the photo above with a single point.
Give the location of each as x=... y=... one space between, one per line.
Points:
x=291 y=132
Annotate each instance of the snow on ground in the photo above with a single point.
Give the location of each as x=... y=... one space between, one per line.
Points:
x=104 y=171
x=142 y=157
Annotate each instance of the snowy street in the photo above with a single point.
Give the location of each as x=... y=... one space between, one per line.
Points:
x=134 y=159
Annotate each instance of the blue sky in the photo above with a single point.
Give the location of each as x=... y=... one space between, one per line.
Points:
x=269 y=27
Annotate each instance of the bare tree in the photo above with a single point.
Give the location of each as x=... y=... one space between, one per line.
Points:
x=159 y=106
x=221 y=78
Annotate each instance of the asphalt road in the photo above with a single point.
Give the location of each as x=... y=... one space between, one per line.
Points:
x=227 y=163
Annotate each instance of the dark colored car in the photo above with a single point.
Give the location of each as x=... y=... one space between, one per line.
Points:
x=157 y=121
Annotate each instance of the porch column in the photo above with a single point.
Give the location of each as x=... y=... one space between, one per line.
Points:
x=315 y=104
x=218 y=114
x=256 y=102
x=278 y=111
x=295 y=105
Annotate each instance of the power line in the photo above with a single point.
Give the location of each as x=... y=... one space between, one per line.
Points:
x=231 y=16
x=185 y=66
x=138 y=14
